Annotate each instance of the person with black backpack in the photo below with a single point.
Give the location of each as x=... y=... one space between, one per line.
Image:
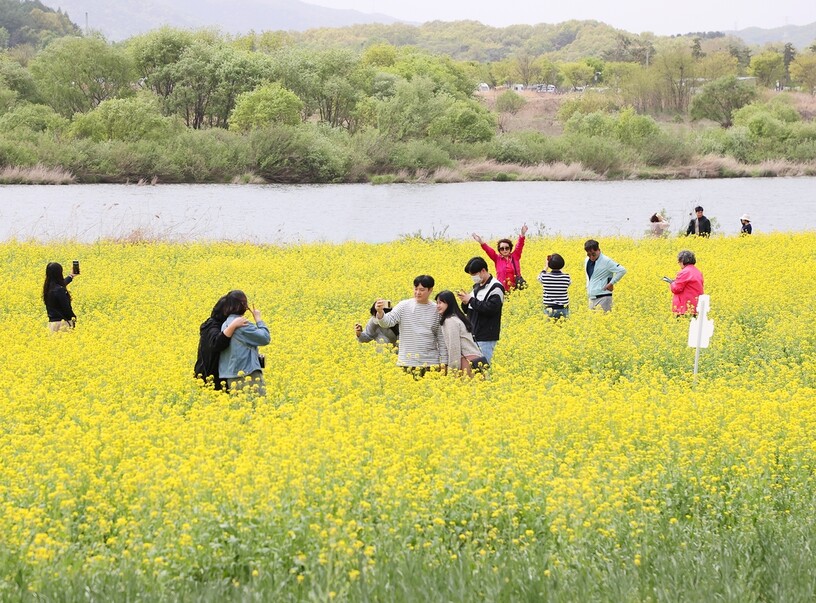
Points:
x=212 y=341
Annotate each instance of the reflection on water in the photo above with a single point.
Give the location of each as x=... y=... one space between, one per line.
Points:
x=278 y=213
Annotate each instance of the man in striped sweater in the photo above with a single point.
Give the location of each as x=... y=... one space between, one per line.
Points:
x=421 y=343
x=554 y=285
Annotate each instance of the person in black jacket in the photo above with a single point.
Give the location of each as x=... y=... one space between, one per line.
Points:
x=483 y=306
x=57 y=299
x=700 y=225
x=212 y=342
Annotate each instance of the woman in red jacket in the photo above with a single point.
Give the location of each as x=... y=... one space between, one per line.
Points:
x=687 y=286
x=507 y=260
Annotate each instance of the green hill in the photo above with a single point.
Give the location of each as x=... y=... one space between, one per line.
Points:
x=31 y=22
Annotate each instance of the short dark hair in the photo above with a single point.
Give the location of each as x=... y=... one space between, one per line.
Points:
x=592 y=245
x=475 y=265
x=698 y=208
x=556 y=262
x=508 y=241
x=426 y=280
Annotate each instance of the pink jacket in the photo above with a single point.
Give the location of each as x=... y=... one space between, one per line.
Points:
x=687 y=287
x=506 y=267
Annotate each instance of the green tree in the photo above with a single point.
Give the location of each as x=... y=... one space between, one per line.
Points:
x=803 y=70
x=32 y=118
x=768 y=67
x=330 y=83
x=550 y=73
x=464 y=121
x=18 y=79
x=577 y=75
x=209 y=78
x=719 y=99
x=788 y=55
x=409 y=113
x=379 y=55
x=526 y=67
x=676 y=71
x=128 y=119
x=266 y=105
x=718 y=64
x=155 y=55
x=74 y=75
x=509 y=102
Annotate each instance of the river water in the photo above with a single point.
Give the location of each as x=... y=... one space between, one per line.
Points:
x=364 y=212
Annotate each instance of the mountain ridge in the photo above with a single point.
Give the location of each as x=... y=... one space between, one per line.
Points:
x=121 y=19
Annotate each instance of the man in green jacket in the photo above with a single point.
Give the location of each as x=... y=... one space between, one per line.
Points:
x=602 y=274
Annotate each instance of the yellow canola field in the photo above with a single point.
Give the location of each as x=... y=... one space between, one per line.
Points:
x=590 y=440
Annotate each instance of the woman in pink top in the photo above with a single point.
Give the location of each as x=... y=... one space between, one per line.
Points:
x=507 y=260
x=687 y=286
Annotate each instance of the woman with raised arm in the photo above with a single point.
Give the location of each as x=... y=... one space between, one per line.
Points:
x=240 y=364
x=57 y=299
x=508 y=258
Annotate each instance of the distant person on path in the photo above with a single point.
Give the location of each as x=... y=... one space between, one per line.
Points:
x=240 y=363
x=602 y=274
x=687 y=286
x=374 y=332
x=554 y=287
x=57 y=299
x=212 y=341
x=483 y=306
x=658 y=225
x=463 y=352
x=421 y=344
x=507 y=260
x=700 y=225
x=746 y=229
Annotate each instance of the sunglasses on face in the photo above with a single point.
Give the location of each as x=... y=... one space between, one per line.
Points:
x=504 y=249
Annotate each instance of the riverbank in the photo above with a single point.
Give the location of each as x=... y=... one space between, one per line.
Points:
x=482 y=171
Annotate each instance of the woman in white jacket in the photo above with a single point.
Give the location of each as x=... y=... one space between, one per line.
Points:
x=463 y=353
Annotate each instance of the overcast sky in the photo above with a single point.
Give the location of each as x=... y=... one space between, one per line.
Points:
x=636 y=16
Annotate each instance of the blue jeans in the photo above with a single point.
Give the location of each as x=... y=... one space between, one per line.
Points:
x=487 y=348
x=556 y=312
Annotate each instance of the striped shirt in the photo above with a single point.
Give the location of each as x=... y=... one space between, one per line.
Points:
x=421 y=342
x=554 y=285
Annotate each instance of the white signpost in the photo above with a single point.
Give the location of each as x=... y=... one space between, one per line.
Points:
x=701 y=329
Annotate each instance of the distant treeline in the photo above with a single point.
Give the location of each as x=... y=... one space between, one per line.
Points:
x=199 y=106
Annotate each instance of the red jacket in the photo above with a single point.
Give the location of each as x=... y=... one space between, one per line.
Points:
x=506 y=267
x=687 y=286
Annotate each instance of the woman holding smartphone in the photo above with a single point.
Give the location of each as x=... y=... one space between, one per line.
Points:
x=240 y=364
x=57 y=299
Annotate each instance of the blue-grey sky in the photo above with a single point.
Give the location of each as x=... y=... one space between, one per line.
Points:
x=635 y=16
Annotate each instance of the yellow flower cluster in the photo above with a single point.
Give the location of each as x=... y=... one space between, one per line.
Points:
x=589 y=439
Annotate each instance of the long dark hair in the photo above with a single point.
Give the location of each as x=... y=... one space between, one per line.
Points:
x=453 y=308
x=217 y=313
x=53 y=279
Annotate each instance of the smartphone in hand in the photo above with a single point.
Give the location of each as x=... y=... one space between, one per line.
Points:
x=667 y=279
x=75 y=267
